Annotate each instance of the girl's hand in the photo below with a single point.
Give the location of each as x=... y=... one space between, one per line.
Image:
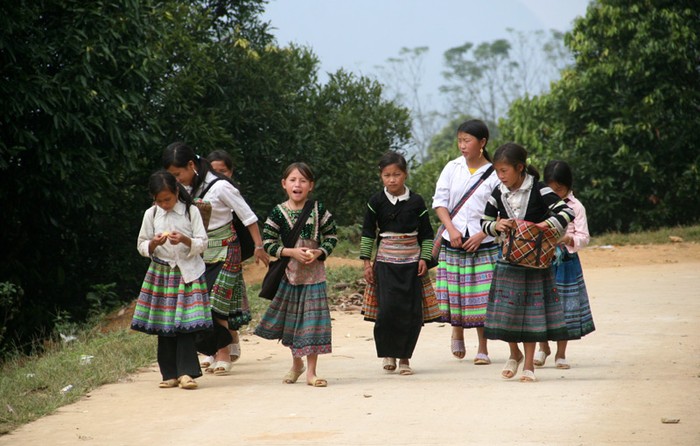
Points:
x=422 y=267
x=311 y=255
x=261 y=256
x=369 y=273
x=504 y=224
x=298 y=253
x=177 y=237
x=455 y=237
x=473 y=242
x=542 y=225
x=160 y=238
x=567 y=240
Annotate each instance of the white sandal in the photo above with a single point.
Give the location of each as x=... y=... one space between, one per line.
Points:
x=561 y=363
x=235 y=351
x=222 y=368
x=540 y=358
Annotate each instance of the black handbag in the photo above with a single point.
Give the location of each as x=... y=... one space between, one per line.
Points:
x=276 y=269
x=245 y=240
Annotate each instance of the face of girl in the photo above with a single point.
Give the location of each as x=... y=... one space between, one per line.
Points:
x=469 y=145
x=510 y=176
x=297 y=187
x=166 y=200
x=559 y=189
x=394 y=178
x=184 y=175
x=220 y=167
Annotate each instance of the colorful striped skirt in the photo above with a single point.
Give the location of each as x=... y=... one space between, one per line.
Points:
x=524 y=305
x=167 y=305
x=299 y=316
x=431 y=311
x=574 y=297
x=229 y=299
x=463 y=284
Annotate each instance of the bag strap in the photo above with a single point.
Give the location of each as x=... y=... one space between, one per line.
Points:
x=204 y=192
x=294 y=234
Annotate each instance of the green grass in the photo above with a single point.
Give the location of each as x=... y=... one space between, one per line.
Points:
x=655 y=237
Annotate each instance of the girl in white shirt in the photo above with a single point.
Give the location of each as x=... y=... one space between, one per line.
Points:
x=173 y=303
x=467 y=255
x=224 y=273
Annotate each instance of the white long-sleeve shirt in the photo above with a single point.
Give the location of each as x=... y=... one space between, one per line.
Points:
x=225 y=198
x=187 y=258
x=454 y=181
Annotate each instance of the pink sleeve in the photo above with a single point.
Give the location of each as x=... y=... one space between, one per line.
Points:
x=578 y=229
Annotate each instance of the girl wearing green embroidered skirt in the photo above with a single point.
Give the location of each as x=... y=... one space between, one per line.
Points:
x=173 y=303
x=223 y=255
x=298 y=315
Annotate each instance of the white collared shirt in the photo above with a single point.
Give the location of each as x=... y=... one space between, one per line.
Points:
x=225 y=198
x=187 y=258
x=396 y=198
x=455 y=179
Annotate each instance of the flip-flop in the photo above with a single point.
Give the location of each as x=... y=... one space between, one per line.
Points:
x=293 y=375
x=561 y=363
x=389 y=364
x=168 y=383
x=235 y=351
x=318 y=382
x=512 y=367
x=222 y=368
x=540 y=358
x=458 y=349
x=186 y=382
x=528 y=376
x=405 y=369
x=482 y=359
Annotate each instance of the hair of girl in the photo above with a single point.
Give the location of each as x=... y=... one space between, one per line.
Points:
x=514 y=155
x=223 y=156
x=392 y=157
x=478 y=129
x=179 y=154
x=559 y=171
x=303 y=169
x=164 y=180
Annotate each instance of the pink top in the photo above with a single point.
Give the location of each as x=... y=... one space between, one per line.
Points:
x=577 y=229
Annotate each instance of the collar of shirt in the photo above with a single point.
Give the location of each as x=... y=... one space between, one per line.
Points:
x=396 y=198
x=179 y=208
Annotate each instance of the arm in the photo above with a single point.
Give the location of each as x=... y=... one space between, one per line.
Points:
x=148 y=241
x=260 y=254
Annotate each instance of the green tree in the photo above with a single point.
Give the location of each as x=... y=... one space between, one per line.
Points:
x=626 y=114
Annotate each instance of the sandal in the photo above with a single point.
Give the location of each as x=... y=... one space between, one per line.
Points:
x=209 y=360
x=222 y=368
x=482 y=359
x=187 y=383
x=405 y=369
x=168 y=383
x=389 y=364
x=317 y=382
x=511 y=368
x=293 y=375
x=540 y=358
x=235 y=351
x=458 y=349
x=561 y=363
x=528 y=376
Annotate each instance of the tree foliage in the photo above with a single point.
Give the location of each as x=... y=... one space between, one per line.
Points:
x=626 y=114
x=93 y=92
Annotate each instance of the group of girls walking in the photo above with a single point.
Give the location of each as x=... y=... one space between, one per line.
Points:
x=194 y=297
x=478 y=200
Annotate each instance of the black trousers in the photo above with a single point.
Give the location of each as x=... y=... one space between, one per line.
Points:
x=177 y=356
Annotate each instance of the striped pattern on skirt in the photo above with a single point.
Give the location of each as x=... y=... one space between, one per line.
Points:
x=299 y=316
x=167 y=306
x=229 y=298
x=524 y=305
x=463 y=284
x=431 y=311
x=574 y=297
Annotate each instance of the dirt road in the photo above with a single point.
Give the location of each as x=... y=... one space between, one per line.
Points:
x=641 y=365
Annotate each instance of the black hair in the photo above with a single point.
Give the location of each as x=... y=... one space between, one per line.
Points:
x=478 y=129
x=179 y=154
x=515 y=154
x=559 y=171
x=303 y=169
x=393 y=157
x=164 y=180
x=223 y=156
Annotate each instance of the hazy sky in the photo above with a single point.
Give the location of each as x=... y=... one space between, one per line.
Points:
x=358 y=35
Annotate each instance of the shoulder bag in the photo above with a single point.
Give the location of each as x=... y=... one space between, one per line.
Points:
x=276 y=269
